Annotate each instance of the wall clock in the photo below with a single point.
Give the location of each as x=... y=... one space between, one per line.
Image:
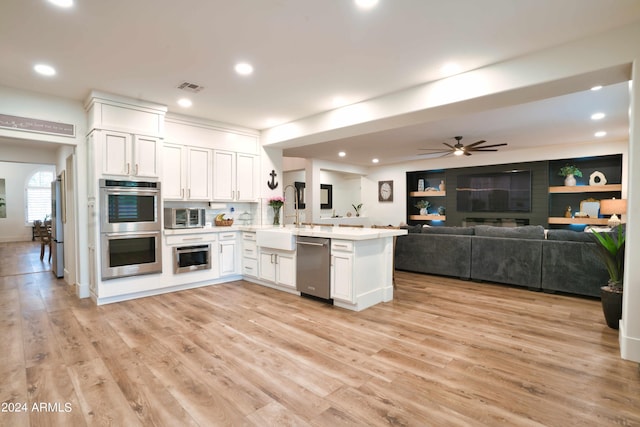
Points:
x=385 y=191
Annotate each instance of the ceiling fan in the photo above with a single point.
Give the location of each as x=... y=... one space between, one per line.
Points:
x=459 y=149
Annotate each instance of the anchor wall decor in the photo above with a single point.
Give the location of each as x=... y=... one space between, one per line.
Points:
x=273 y=184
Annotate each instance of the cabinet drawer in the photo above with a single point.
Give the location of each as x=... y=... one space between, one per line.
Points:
x=249 y=267
x=341 y=245
x=227 y=236
x=249 y=250
x=249 y=236
x=191 y=238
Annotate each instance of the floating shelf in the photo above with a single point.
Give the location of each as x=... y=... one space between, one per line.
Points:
x=585 y=221
x=428 y=217
x=427 y=193
x=586 y=188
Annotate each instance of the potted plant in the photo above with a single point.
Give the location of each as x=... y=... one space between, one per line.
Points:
x=357 y=208
x=611 y=251
x=423 y=205
x=570 y=172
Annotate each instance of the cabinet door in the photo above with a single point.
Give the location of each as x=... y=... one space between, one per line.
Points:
x=172 y=172
x=246 y=177
x=286 y=270
x=223 y=175
x=198 y=174
x=268 y=266
x=227 y=256
x=342 y=277
x=146 y=151
x=116 y=153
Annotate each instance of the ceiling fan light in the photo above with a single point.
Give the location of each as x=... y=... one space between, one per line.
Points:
x=458 y=152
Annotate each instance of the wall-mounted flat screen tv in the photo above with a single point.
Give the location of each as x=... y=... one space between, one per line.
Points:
x=508 y=191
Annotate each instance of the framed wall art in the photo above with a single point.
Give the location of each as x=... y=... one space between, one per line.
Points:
x=385 y=191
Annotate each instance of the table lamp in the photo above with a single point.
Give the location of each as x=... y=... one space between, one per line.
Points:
x=613 y=207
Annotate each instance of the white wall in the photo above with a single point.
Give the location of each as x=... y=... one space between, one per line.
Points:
x=13 y=228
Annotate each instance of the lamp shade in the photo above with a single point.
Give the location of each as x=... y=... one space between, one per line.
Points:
x=613 y=206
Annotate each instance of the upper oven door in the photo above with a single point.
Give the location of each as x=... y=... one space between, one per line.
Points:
x=126 y=210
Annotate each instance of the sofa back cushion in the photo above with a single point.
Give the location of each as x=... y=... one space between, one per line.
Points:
x=460 y=231
x=534 y=232
x=570 y=236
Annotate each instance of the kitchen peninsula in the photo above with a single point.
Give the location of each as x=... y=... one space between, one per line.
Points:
x=361 y=269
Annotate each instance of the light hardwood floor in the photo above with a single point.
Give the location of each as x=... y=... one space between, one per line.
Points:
x=443 y=352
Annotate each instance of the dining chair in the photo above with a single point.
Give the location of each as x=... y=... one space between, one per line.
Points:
x=43 y=229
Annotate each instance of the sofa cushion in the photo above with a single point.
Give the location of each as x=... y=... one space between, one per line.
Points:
x=570 y=236
x=525 y=232
x=459 y=231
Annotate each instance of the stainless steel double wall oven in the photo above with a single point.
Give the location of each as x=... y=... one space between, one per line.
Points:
x=130 y=228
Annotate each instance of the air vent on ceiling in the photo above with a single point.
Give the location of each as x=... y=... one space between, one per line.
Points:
x=190 y=87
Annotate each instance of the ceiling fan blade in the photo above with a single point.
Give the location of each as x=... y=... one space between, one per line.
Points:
x=489 y=146
x=450 y=146
x=431 y=149
x=475 y=143
x=482 y=149
x=466 y=153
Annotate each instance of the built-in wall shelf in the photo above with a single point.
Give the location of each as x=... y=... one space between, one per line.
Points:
x=585 y=188
x=431 y=193
x=581 y=221
x=428 y=217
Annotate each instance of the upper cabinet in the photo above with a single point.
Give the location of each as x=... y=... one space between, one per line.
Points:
x=186 y=173
x=234 y=176
x=129 y=155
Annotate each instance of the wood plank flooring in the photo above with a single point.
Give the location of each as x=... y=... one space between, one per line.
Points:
x=443 y=352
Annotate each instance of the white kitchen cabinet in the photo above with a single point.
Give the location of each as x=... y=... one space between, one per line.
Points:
x=278 y=267
x=342 y=271
x=186 y=173
x=125 y=154
x=228 y=261
x=234 y=176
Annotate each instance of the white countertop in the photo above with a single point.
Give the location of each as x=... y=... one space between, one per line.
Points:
x=345 y=233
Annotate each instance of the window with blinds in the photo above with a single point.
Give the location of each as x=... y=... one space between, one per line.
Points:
x=38 y=196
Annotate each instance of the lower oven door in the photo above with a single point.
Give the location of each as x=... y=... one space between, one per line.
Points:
x=190 y=258
x=131 y=254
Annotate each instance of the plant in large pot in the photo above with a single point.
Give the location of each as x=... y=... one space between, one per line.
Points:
x=611 y=251
x=570 y=172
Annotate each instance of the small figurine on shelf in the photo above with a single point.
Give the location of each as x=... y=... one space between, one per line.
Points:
x=567 y=214
x=441 y=186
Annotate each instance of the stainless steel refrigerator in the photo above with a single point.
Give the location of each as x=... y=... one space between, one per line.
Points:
x=57 y=229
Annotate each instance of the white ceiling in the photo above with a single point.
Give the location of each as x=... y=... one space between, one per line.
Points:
x=305 y=53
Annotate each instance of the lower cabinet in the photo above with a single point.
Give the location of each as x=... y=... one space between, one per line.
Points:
x=249 y=255
x=227 y=259
x=342 y=271
x=278 y=267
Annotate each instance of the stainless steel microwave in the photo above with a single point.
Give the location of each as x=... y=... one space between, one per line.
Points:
x=184 y=217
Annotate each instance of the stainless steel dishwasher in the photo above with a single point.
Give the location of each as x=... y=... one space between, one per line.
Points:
x=313 y=266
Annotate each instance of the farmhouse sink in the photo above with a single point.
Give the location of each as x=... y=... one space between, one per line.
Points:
x=282 y=239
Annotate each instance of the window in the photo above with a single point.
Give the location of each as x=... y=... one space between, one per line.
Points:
x=39 y=196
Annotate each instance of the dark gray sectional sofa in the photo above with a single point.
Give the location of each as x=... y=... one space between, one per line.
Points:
x=560 y=261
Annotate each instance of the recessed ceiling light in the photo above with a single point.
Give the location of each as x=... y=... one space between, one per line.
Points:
x=597 y=116
x=45 y=70
x=375 y=160
x=600 y=134
x=596 y=88
x=243 y=68
x=342 y=154
x=62 y=3
x=184 y=102
x=366 y=4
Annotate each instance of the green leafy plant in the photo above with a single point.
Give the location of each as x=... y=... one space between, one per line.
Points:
x=422 y=204
x=570 y=170
x=357 y=208
x=611 y=251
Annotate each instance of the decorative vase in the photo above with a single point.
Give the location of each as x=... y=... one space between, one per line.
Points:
x=570 y=180
x=441 y=186
x=423 y=211
x=276 y=215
